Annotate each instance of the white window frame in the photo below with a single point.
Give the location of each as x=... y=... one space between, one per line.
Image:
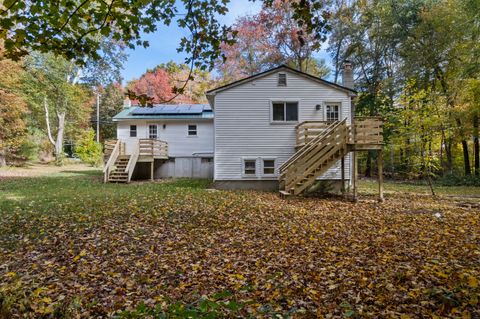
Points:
x=156 y=130
x=284 y=101
x=130 y=130
x=254 y=159
x=339 y=104
x=263 y=159
x=188 y=130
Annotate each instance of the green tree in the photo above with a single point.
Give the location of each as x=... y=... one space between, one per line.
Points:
x=54 y=94
x=88 y=150
x=111 y=103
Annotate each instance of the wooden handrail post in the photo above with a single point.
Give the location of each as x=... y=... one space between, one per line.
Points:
x=380 y=175
x=355 y=175
x=343 y=175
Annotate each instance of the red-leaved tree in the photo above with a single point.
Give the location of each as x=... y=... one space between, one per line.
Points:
x=270 y=38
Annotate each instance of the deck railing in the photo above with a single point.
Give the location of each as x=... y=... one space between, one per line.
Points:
x=153 y=147
x=368 y=130
x=364 y=131
x=111 y=161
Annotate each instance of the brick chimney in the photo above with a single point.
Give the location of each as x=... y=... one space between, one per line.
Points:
x=347 y=74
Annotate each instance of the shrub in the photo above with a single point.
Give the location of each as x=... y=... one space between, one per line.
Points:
x=458 y=180
x=88 y=150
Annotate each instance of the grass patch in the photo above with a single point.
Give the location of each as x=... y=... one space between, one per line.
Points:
x=370 y=187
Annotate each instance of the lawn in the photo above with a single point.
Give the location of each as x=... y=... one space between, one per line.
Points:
x=71 y=246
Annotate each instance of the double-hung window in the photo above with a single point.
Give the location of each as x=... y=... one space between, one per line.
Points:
x=249 y=167
x=152 y=131
x=285 y=111
x=192 y=130
x=268 y=166
x=133 y=131
x=332 y=112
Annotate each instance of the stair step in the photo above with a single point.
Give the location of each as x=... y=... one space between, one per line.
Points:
x=284 y=193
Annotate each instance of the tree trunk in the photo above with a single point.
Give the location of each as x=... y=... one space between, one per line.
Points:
x=61 y=128
x=448 y=153
x=3 y=160
x=47 y=120
x=368 y=166
x=466 y=158
x=476 y=146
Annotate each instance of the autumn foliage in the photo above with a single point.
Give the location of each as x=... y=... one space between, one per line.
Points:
x=89 y=250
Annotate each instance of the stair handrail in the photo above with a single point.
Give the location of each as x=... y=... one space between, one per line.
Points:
x=132 y=161
x=307 y=147
x=111 y=161
x=336 y=144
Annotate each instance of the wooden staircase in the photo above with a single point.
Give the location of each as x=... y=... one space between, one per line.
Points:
x=120 y=166
x=119 y=173
x=314 y=158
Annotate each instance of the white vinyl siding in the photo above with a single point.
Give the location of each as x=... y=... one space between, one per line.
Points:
x=243 y=122
x=175 y=133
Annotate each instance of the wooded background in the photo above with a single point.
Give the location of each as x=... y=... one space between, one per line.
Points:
x=416 y=62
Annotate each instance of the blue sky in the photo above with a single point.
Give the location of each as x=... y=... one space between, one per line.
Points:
x=164 y=42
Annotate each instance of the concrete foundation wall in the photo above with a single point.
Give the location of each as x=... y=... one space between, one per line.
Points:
x=333 y=186
x=270 y=185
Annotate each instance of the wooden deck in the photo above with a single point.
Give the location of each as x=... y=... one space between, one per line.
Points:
x=320 y=144
x=119 y=166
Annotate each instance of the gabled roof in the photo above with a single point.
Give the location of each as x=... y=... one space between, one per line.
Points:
x=166 y=111
x=276 y=69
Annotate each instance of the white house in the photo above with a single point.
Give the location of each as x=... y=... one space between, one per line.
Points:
x=278 y=129
x=187 y=129
x=257 y=120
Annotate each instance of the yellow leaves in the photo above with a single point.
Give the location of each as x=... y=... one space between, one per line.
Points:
x=472 y=282
x=10 y=274
x=80 y=255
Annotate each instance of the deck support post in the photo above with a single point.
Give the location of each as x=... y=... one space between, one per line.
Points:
x=355 y=176
x=380 y=175
x=151 y=169
x=342 y=189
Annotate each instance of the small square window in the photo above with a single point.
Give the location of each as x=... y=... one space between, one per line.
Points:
x=152 y=131
x=282 y=79
x=268 y=167
x=133 y=131
x=249 y=167
x=192 y=130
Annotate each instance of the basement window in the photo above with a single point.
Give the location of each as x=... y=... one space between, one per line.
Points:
x=282 y=79
x=249 y=167
x=133 y=131
x=192 y=130
x=285 y=111
x=268 y=166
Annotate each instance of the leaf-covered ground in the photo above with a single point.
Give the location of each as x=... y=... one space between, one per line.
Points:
x=73 y=247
